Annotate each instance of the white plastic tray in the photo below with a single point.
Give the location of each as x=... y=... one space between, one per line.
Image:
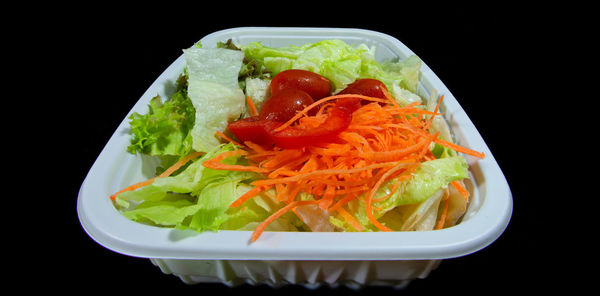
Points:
x=485 y=220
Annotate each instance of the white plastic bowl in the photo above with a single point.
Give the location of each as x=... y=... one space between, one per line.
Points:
x=354 y=259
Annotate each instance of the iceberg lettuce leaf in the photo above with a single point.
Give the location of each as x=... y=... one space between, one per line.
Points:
x=412 y=195
x=197 y=198
x=427 y=179
x=214 y=91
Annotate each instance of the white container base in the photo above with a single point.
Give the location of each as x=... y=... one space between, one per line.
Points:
x=311 y=274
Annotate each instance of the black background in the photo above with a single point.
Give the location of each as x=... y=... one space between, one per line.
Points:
x=488 y=56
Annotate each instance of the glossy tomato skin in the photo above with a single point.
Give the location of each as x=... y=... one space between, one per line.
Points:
x=350 y=103
x=312 y=83
x=283 y=105
x=338 y=120
x=366 y=87
x=254 y=129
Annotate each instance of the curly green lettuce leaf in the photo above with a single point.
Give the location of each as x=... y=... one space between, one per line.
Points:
x=165 y=129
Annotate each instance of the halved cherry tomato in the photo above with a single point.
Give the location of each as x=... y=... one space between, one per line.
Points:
x=366 y=87
x=254 y=129
x=312 y=83
x=292 y=137
x=283 y=105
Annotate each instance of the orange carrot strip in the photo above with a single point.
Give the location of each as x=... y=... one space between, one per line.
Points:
x=329 y=172
x=248 y=195
x=216 y=164
x=369 y=198
x=133 y=187
x=350 y=219
x=461 y=189
x=255 y=147
x=342 y=202
x=179 y=164
x=393 y=155
x=442 y=221
x=437 y=107
x=397 y=183
x=166 y=173
x=261 y=227
x=319 y=102
x=222 y=135
x=389 y=97
x=458 y=148
x=253 y=110
x=411 y=110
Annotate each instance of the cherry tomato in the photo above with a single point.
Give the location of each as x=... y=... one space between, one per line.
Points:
x=283 y=105
x=366 y=87
x=338 y=120
x=314 y=84
x=253 y=129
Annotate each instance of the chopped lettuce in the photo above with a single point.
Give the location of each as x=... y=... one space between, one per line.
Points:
x=211 y=93
x=197 y=198
x=339 y=62
x=258 y=90
x=415 y=194
x=214 y=91
x=428 y=178
x=256 y=210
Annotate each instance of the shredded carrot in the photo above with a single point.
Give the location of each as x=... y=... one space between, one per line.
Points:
x=248 y=195
x=387 y=94
x=461 y=189
x=383 y=143
x=222 y=135
x=133 y=187
x=370 y=194
x=321 y=101
x=435 y=110
x=350 y=219
x=253 y=110
x=261 y=227
x=215 y=163
x=166 y=173
x=458 y=148
x=442 y=220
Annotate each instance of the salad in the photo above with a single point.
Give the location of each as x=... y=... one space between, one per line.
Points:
x=318 y=137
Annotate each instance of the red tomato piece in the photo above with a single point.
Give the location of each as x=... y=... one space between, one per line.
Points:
x=312 y=83
x=366 y=87
x=253 y=129
x=292 y=137
x=350 y=103
x=283 y=105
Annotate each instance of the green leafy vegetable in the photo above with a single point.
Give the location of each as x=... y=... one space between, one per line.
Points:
x=197 y=198
x=164 y=129
x=429 y=178
x=214 y=91
x=339 y=62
